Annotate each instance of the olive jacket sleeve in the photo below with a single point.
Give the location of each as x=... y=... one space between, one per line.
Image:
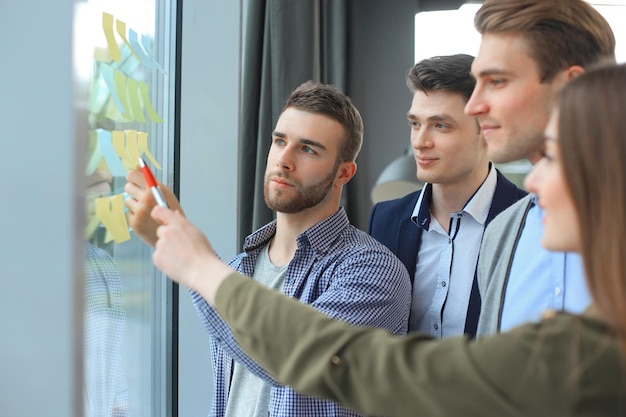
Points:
x=539 y=369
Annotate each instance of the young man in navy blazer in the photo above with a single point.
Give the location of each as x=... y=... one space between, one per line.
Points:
x=437 y=231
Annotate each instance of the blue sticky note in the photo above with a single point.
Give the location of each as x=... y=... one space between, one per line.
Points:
x=145 y=42
x=108 y=74
x=112 y=159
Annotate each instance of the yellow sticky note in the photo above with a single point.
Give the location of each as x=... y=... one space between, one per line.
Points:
x=107 y=27
x=131 y=146
x=145 y=97
x=107 y=236
x=119 y=144
x=120 y=87
x=142 y=143
x=132 y=88
x=121 y=30
x=110 y=211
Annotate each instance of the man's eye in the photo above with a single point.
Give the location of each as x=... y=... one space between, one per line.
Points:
x=413 y=124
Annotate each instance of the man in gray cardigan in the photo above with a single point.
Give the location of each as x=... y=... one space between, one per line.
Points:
x=529 y=50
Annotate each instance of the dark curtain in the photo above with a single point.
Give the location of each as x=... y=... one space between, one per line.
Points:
x=286 y=42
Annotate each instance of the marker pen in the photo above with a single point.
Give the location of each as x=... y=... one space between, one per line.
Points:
x=147 y=174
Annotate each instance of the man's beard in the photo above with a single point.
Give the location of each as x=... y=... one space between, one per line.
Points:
x=307 y=196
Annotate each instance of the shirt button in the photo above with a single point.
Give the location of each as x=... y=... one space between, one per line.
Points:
x=557 y=291
x=436 y=326
x=335 y=360
x=443 y=283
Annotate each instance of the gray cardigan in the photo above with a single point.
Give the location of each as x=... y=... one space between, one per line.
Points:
x=494 y=263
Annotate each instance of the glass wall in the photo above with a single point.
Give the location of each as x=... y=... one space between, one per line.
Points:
x=124 y=56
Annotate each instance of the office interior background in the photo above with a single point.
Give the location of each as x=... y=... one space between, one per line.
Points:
x=183 y=67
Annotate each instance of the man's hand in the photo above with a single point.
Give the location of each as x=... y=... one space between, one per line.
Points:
x=140 y=202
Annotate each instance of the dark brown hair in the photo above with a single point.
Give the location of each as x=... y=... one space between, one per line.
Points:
x=443 y=73
x=329 y=101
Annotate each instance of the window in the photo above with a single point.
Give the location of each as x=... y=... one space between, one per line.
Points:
x=124 y=56
x=464 y=38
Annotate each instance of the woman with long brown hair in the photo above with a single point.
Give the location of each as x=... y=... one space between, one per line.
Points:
x=592 y=128
x=564 y=365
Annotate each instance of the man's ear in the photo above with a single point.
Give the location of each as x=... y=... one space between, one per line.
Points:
x=345 y=172
x=574 y=71
x=565 y=76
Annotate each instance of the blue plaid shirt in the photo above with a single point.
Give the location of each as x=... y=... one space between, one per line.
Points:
x=337 y=269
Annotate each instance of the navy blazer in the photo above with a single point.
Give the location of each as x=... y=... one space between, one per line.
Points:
x=390 y=223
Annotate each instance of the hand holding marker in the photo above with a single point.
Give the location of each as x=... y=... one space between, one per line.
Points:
x=147 y=174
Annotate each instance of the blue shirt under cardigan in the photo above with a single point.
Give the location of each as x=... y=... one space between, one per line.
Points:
x=337 y=269
x=541 y=280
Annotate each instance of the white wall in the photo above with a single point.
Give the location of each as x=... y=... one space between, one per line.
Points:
x=39 y=252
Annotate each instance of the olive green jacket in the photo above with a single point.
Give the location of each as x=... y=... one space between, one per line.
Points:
x=564 y=366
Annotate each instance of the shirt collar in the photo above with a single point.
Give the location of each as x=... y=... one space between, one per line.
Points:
x=320 y=236
x=421 y=212
x=478 y=205
x=534 y=209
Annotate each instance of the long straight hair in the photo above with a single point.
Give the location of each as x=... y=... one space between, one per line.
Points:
x=592 y=143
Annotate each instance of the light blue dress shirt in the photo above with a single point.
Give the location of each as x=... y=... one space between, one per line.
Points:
x=541 y=280
x=446 y=263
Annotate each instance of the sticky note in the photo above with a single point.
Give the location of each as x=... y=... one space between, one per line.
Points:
x=113 y=113
x=99 y=91
x=107 y=27
x=118 y=141
x=145 y=42
x=110 y=211
x=110 y=155
x=109 y=79
x=131 y=146
x=145 y=59
x=120 y=87
x=142 y=144
x=145 y=97
x=121 y=30
x=132 y=88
